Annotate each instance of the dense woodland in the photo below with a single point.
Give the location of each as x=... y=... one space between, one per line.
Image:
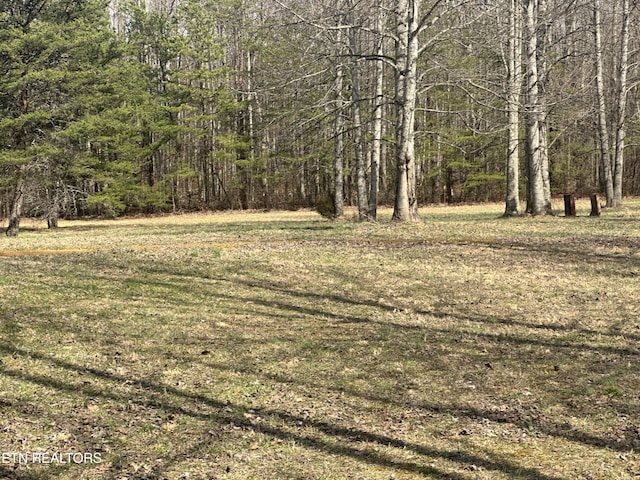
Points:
x=145 y=106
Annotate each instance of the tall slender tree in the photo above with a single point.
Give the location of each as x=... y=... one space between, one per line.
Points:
x=621 y=107
x=356 y=107
x=378 y=110
x=603 y=126
x=538 y=194
x=338 y=162
x=514 y=89
x=408 y=25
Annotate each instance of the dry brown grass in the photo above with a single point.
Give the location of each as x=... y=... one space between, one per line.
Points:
x=283 y=346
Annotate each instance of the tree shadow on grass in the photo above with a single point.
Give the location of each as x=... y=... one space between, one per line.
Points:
x=355 y=443
x=616 y=264
x=561 y=346
x=314 y=299
x=499 y=338
x=341 y=440
x=460 y=314
x=247 y=279
x=311 y=309
x=524 y=417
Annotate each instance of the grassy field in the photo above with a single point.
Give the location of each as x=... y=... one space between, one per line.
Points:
x=285 y=346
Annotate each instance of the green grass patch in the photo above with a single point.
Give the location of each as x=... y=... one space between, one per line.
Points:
x=286 y=346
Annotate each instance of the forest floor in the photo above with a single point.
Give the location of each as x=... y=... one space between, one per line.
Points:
x=282 y=345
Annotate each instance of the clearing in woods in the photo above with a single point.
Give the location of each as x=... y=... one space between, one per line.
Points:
x=285 y=346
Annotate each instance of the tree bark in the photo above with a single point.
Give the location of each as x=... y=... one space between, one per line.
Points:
x=15 y=209
x=537 y=201
x=543 y=110
x=621 y=112
x=338 y=162
x=376 y=145
x=603 y=128
x=512 y=206
x=361 y=177
x=53 y=212
x=407 y=52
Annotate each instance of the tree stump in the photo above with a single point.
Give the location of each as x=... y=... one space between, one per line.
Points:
x=595 y=206
x=569 y=205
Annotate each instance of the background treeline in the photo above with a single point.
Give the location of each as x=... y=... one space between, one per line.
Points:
x=163 y=105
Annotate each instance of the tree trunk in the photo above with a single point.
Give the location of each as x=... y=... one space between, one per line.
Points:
x=621 y=112
x=543 y=108
x=54 y=209
x=603 y=129
x=537 y=202
x=15 y=210
x=338 y=163
x=512 y=206
x=376 y=147
x=407 y=52
x=361 y=178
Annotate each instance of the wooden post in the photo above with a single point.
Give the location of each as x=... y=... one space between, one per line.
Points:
x=595 y=205
x=569 y=205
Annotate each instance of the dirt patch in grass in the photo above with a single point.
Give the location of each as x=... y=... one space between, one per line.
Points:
x=248 y=346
